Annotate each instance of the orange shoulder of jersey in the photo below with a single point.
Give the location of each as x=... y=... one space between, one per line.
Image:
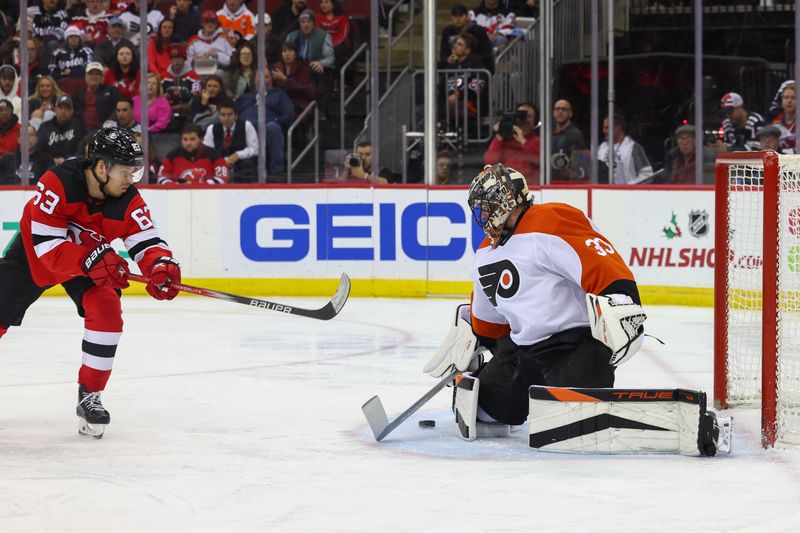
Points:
x=600 y=262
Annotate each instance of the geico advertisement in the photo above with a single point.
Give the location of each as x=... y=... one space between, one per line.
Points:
x=381 y=233
x=666 y=237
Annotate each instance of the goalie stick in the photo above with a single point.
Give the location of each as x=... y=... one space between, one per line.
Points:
x=376 y=414
x=328 y=311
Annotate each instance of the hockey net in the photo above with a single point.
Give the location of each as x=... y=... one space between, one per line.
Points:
x=757 y=290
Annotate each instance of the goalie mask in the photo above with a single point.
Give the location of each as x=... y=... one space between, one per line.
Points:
x=493 y=195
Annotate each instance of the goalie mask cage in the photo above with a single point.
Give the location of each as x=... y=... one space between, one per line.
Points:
x=757 y=290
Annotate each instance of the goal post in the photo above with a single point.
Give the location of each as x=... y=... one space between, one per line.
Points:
x=757 y=289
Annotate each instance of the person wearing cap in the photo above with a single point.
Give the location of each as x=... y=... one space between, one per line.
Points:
x=679 y=166
x=104 y=52
x=315 y=47
x=9 y=85
x=70 y=61
x=210 y=42
x=9 y=128
x=61 y=136
x=785 y=121
x=186 y=17
x=462 y=23
x=92 y=20
x=739 y=125
x=49 y=22
x=182 y=83
x=286 y=18
x=237 y=21
x=95 y=104
x=332 y=19
x=769 y=138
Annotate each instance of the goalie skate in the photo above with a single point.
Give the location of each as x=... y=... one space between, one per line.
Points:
x=92 y=416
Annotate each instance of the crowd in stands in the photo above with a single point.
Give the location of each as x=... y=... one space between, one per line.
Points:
x=201 y=86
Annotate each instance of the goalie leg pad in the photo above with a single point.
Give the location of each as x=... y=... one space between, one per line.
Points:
x=630 y=421
x=465 y=405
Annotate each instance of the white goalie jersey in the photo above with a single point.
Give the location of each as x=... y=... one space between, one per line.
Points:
x=535 y=284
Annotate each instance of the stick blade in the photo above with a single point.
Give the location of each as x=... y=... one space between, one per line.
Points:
x=376 y=416
x=342 y=293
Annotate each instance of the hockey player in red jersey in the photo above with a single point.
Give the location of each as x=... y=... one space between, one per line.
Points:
x=66 y=229
x=533 y=274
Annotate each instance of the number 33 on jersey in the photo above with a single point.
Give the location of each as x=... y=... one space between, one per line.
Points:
x=535 y=284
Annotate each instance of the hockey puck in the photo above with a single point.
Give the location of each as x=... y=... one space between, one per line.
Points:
x=427 y=424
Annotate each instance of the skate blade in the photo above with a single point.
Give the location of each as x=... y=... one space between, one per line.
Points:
x=725 y=440
x=91 y=430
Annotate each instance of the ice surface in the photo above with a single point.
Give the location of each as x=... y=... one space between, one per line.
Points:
x=226 y=418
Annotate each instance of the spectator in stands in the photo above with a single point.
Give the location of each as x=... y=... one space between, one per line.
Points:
x=498 y=20
x=271 y=41
x=679 y=166
x=237 y=141
x=566 y=139
x=210 y=42
x=631 y=165
x=204 y=109
x=42 y=102
x=181 y=83
x=60 y=137
x=333 y=20
x=785 y=121
x=193 y=162
x=38 y=162
x=70 y=60
x=158 y=58
x=123 y=116
x=444 y=168
x=96 y=103
x=36 y=66
x=105 y=51
x=186 y=18
x=293 y=76
x=461 y=23
x=315 y=47
x=49 y=22
x=521 y=151
x=9 y=128
x=769 y=138
x=286 y=18
x=9 y=87
x=130 y=16
x=471 y=84
x=279 y=113
x=159 y=113
x=123 y=72
x=93 y=22
x=238 y=22
x=239 y=78
x=152 y=157
x=739 y=126
x=525 y=8
x=358 y=166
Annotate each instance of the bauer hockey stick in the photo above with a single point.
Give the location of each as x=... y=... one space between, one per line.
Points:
x=376 y=414
x=328 y=311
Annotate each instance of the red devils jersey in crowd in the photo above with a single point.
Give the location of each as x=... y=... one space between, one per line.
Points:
x=61 y=223
x=206 y=165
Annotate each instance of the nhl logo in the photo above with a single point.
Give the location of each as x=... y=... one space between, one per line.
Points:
x=698 y=223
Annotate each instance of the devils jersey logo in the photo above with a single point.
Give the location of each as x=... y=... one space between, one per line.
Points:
x=80 y=235
x=499 y=279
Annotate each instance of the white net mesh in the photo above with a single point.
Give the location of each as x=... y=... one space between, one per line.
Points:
x=745 y=242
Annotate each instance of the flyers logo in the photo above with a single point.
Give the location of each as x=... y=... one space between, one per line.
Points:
x=499 y=279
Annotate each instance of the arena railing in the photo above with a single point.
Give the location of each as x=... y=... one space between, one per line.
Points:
x=313 y=142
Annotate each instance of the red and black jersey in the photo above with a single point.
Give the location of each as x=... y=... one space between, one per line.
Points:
x=206 y=165
x=61 y=223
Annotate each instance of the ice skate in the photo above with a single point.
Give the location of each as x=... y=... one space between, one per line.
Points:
x=92 y=416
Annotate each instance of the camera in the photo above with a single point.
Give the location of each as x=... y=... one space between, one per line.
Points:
x=559 y=160
x=505 y=126
x=353 y=160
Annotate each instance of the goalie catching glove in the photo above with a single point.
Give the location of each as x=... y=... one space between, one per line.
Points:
x=617 y=322
x=165 y=270
x=458 y=349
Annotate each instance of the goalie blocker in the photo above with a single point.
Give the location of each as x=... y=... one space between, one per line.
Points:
x=626 y=421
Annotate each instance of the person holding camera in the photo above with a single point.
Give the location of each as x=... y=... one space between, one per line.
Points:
x=566 y=138
x=358 y=166
x=516 y=143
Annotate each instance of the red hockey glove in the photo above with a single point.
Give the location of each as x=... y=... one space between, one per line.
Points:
x=106 y=268
x=165 y=270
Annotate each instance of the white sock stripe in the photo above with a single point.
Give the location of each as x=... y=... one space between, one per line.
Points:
x=98 y=363
x=102 y=337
